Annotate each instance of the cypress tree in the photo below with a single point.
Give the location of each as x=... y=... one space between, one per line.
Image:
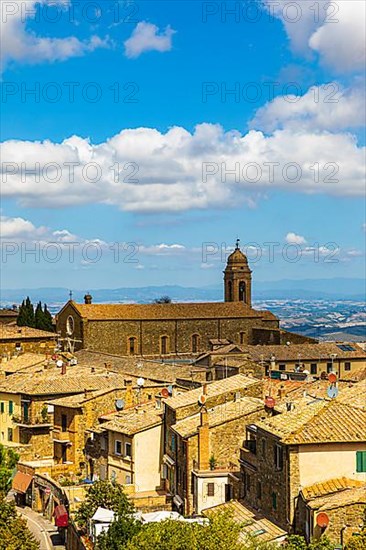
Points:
x=39 y=317
x=30 y=320
x=47 y=318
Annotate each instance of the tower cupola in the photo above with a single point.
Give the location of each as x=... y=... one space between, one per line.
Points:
x=238 y=277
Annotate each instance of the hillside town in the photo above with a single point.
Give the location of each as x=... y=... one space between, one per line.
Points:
x=189 y=411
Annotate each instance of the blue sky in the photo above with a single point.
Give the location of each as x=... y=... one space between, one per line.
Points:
x=185 y=93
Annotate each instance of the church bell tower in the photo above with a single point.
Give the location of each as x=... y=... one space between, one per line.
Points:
x=238 y=278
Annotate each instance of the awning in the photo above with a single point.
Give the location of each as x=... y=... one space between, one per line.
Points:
x=21 y=482
x=61 y=516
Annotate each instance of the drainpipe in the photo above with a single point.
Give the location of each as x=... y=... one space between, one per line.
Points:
x=342 y=534
x=188 y=478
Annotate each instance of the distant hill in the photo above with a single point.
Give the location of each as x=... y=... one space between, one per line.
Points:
x=286 y=289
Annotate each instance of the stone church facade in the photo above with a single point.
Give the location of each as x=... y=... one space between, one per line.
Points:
x=175 y=328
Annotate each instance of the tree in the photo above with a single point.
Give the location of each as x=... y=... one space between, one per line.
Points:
x=221 y=532
x=107 y=495
x=38 y=316
x=26 y=314
x=124 y=528
x=297 y=542
x=47 y=318
x=8 y=461
x=163 y=300
x=14 y=533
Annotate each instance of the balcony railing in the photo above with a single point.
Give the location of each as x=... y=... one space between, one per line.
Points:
x=30 y=422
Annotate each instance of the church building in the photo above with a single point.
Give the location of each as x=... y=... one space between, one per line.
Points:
x=172 y=328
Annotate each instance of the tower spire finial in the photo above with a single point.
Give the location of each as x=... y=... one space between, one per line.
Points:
x=237 y=244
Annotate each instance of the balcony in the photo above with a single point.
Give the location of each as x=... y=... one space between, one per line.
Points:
x=247 y=457
x=30 y=423
x=61 y=437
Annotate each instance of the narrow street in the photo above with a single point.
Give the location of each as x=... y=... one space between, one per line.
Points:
x=43 y=530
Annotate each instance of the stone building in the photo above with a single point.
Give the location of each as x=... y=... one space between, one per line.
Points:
x=228 y=403
x=292 y=450
x=9 y=316
x=175 y=328
x=15 y=340
x=339 y=503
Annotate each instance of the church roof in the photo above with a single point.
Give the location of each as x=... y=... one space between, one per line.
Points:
x=205 y=310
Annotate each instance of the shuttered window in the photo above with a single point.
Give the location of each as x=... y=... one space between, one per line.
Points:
x=360 y=461
x=11 y=407
x=210 y=489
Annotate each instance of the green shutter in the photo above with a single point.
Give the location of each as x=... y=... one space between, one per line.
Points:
x=2 y=407
x=11 y=407
x=360 y=461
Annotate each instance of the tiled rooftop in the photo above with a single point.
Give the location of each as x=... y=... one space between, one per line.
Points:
x=353 y=495
x=138 y=366
x=318 y=421
x=231 y=384
x=253 y=522
x=75 y=381
x=314 y=352
x=11 y=332
x=133 y=420
x=219 y=415
x=329 y=487
x=205 y=310
x=22 y=361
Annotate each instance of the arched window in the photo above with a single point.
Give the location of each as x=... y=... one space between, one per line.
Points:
x=230 y=291
x=242 y=293
x=164 y=345
x=195 y=343
x=132 y=345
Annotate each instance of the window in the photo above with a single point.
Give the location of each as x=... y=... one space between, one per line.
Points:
x=117 y=447
x=2 y=407
x=313 y=368
x=282 y=366
x=347 y=365
x=128 y=480
x=172 y=442
x=274 y=501
x=64 y=423
x=242 y=292
x=195 y=343
x=11 y=407
x=164 y=345
x=329 y=367
x=132 y=346
x=210 y=489
x=70 y=325
x=10 y=434
x=128 y=449
x=259 y=490
x=251 y=442
x=360 y=461
x=242 y=338
x=278 y=457
x=103 y=444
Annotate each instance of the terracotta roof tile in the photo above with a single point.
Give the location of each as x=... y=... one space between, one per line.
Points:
x=205 y=310
x=8 y=332
x=304 y=351
x=318 y=421
x=328 y=487
x=134 y=420
x=22 y=361
x=231 y=384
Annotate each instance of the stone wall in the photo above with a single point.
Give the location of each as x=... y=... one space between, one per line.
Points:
x=33 y=345
x=112 y=336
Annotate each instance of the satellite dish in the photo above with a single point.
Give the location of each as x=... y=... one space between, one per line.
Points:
x=119 y=404
x=165 y=392
x=322 y=520
x=332 y=377
x=140 y=382
x=332 y=392
x=59 y=363
x=202 y=399
x=170 y=389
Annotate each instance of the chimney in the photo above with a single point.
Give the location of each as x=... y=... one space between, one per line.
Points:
x=281 y=392
x=203 y=441
x=63 y=368
x=88 y=298
x=204 y=389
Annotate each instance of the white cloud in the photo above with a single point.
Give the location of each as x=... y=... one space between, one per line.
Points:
x=334 y=30
x=22 y=45
x=143 y=170
x=146 y=37
x=292 y=238
x=327 y=107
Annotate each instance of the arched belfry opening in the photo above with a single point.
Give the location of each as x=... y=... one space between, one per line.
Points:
x=238 y=278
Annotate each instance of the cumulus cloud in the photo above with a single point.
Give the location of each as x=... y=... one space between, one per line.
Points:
x=23 y=45
x=144 y=170
x=327 y=107
x=334 y=30
x=146 y=37
x=292 y=238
